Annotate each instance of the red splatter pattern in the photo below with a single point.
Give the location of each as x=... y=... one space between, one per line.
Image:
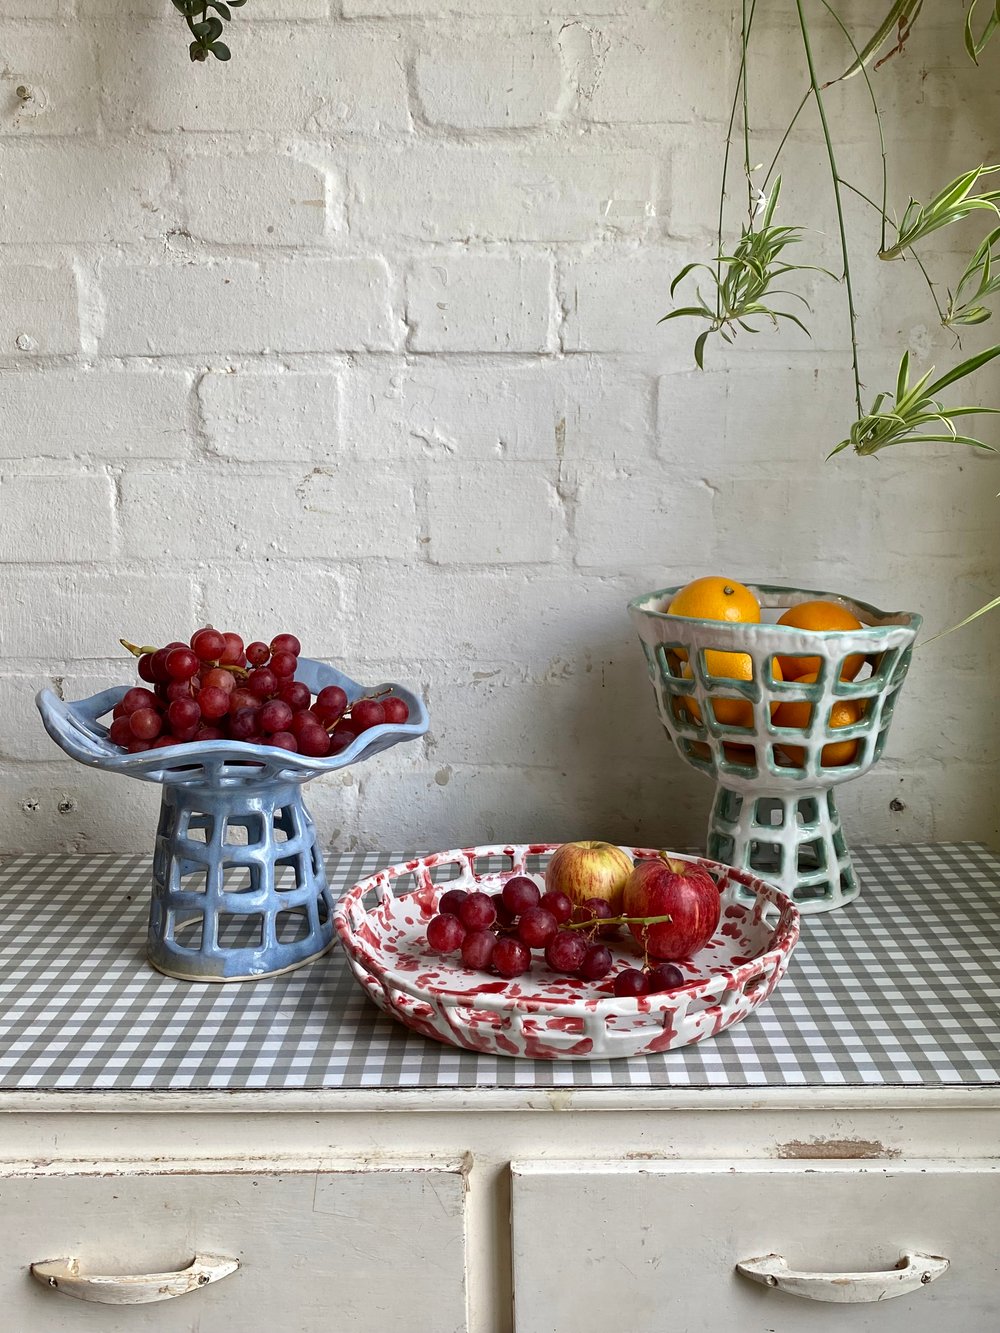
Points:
x=543 y=1015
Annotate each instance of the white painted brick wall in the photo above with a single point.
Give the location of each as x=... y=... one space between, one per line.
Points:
x=357 y=336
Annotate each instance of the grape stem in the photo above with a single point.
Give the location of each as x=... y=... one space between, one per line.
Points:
x=378 y=694
x=616 y=921
x=135 y=650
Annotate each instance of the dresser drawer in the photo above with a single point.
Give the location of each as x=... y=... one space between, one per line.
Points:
x=647 y=1246
x=370 y=1249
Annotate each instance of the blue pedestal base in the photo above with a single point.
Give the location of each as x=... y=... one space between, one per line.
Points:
x=239 y=885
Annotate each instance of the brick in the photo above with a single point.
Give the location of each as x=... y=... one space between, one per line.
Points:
x=116 y=195
x=32 y=9
x=310 y=78
x=259 y=199
x=536 y=410
x=56 y=518
x=493 y=615
x=58 y=64
x=485 y=303
x=272 y=596
x=236 y=306
x=489 y=9
x=480 y=81
x=326 y=514
x=640 y=520
x=277 y=10
x=521 y=719
x=613 y=302
x=21 y=734
x=81 y=614
x=274 y=415
x=747 y=420
x=67 y=807
x=525 y=525
x=99 y=413
x=666 y=68
x=438 y=804
x=38 y=310
x=445 y=192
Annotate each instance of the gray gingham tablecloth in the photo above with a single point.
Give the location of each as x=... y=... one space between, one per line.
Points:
x=902 y=987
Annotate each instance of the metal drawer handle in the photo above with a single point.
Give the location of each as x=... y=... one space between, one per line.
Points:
x=139 y=1289
x=914 y=1270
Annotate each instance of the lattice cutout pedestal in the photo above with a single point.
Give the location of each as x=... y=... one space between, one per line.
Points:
x=774 y=813
x=239 y=886
x=794 y=841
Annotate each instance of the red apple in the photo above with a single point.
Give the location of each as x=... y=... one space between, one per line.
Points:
x=687 y=893
x=584 y=870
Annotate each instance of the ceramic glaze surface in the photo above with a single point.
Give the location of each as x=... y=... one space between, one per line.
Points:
x=239 y=886
x=774 y=811
x=382 y=923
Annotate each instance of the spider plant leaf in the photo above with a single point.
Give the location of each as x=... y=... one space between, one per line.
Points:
x=785 y=314
x=688 y=268
x=973 y=411
x=899 y=19
x=968 y=367
x=974 y=45
x=942 y=439
x=990 y=606
x=903 y=376
x=974 y=315
x=699 y=349
x=698 y=310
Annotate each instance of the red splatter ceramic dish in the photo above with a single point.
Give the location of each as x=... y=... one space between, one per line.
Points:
x=382 y=923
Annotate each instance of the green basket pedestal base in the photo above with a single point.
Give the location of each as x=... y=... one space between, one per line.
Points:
x=774 y=813
x=793 y=841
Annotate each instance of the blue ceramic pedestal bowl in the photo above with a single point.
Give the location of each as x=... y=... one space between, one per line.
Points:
x=239 y=886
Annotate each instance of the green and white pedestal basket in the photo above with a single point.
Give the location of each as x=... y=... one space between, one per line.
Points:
x=774 y=811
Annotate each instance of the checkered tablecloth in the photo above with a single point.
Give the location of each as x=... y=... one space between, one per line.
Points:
x=902 y=987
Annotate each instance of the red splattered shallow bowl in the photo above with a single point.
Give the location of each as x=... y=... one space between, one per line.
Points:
x=382 y=923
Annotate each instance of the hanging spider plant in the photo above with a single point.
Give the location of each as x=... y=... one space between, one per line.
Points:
x=915 y=407
x=980 y=280
x=744 y=280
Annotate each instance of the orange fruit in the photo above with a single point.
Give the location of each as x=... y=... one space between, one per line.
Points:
x=715 y=598
x=819 y=614
x=729 y=666
x=797 y=713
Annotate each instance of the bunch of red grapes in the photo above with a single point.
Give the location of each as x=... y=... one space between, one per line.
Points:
x=498 y=932
x=213 y=689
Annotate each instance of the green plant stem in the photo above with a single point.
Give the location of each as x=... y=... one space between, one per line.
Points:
x=878 y=119
x=919 y=262
x=745 y=30
x=616 y=921
x=784 y=138
x=746 y=122
x=832 y=157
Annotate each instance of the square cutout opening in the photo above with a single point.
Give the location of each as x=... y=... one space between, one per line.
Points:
x=769 y=812
x=444 y=874
x=289 y=873
x=292 y=925
x=189 y=931
x=244 y=831
x=233 y=930
x=766 y=856
x=200 y=828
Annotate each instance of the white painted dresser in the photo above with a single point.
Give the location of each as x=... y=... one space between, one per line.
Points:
x=368 y=1181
